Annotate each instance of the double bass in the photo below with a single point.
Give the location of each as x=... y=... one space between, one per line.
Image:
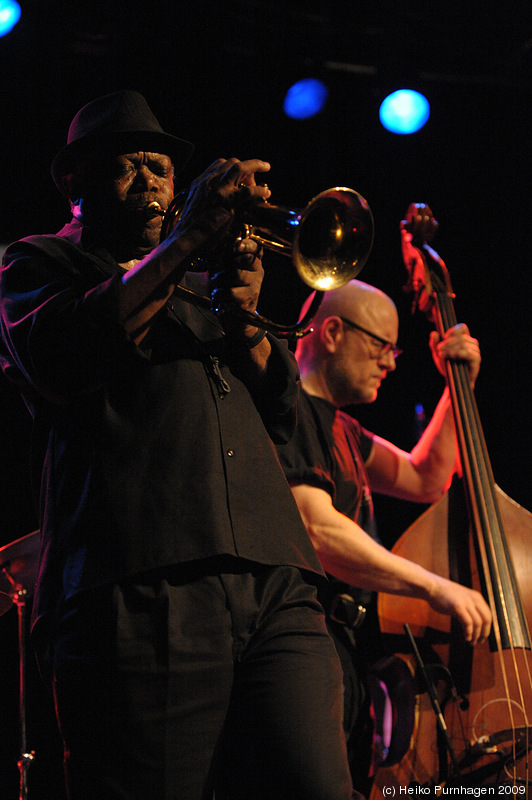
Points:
x=473 y=705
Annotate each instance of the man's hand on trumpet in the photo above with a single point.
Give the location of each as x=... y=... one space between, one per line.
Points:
x=238 y=282
x=224 y=187
x=237 y=286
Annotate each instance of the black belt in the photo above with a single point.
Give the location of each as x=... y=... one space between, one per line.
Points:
x=347 y=611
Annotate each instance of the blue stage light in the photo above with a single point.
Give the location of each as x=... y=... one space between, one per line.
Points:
x=404 y=111
x=9 y=15
x=305 y=98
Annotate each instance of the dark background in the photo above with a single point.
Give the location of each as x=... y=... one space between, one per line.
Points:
x=216 y=73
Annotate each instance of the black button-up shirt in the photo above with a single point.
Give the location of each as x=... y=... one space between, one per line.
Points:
x=148 y=460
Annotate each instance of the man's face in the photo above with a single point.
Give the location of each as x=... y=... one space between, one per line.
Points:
x=118 y=190
x=141 y=177
x=361 y=362
x=137 y=180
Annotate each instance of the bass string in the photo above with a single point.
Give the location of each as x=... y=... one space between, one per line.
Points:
x=487 y=513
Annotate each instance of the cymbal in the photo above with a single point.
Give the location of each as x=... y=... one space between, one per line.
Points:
x=20 y=559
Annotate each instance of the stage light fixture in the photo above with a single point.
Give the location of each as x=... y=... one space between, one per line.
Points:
x=404 y=111
x=305 y=98
x=9 y=15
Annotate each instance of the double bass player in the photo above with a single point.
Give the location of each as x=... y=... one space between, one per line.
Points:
x=333 y=465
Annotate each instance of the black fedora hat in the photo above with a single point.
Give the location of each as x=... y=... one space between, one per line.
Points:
x=122 y=121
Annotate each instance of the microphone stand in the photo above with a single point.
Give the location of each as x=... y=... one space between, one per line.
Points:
x=19 y=596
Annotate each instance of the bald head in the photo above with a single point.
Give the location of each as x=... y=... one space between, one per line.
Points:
x=356 y=300
x=330 y=360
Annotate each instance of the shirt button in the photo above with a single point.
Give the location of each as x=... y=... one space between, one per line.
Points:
x=230 y=453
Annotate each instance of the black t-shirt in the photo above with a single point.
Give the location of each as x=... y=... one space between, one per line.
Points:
x=328 y=450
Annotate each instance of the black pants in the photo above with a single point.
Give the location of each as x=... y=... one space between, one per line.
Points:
x=170 y=689
x=357 y=720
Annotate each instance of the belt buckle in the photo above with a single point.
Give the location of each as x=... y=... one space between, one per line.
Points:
x=346 y=611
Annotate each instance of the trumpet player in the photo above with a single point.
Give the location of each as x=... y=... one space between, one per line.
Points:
x=175 y=613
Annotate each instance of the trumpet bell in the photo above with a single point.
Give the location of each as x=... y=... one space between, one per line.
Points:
x=329 y=241
x=334 y=240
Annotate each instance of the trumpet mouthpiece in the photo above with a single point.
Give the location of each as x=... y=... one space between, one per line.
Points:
x=154 y=209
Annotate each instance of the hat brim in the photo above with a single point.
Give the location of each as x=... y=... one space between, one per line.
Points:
x=177 y=149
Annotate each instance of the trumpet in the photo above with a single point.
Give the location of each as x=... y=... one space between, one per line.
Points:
x=329 y=241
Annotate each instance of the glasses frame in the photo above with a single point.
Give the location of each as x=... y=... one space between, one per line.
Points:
x=386 y=346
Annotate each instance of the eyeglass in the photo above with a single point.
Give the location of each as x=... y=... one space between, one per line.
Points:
x=385 y=345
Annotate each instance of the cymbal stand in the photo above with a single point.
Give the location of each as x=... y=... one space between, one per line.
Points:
x=19 y=596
